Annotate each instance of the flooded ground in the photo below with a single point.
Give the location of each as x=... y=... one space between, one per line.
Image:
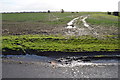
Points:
x=32 y=66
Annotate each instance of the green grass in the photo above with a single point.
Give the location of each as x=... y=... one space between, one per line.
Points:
x=48 y=18
x=59 y=43
x=24 y=17
x=103 y=19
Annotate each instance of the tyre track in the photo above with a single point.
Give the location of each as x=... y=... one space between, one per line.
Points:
x=88 y=26
x=74 y=29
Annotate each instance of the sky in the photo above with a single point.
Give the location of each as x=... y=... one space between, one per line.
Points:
x=57 y=5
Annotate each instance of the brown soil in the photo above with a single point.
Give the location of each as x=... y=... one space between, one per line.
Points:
x=21 y=28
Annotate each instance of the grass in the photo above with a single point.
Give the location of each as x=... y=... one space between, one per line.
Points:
x=48 y=18
x=40 y=17
x=51 y=43
x=103 y=19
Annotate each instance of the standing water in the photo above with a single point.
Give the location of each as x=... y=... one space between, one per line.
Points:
x=71 y=23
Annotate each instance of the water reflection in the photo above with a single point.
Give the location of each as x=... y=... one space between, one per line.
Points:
x=63 y=62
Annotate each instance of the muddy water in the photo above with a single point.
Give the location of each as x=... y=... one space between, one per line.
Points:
x=63 y=61
x=32 y=66
x=28 y=58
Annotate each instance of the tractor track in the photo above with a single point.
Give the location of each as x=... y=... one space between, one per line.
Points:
x=85 y=29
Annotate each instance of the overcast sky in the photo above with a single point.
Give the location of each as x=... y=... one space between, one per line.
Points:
x=56 y=5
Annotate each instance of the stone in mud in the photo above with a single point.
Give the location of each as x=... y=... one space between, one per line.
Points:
x=59 y=61
x=20 y=62
x=67 y=63
x=86 y=60
x=74 y=58
x=79 y=60
x=68 y=58
x=49 y=61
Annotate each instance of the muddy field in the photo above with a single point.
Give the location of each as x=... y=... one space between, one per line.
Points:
x=24 y=28
x=21 y=28
x=54 y=25
x=60 y=24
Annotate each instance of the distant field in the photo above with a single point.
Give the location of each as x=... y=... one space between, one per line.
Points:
x=41 y=16
x=47 y=18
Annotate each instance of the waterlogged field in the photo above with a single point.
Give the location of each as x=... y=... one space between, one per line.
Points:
x=39 y=32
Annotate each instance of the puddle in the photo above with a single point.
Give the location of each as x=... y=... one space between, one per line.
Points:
x=71 y=27
x=78 y=61
x=96 y=63
x=28 y=58
x=63 y=61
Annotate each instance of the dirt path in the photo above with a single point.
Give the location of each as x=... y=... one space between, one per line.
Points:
x=71 y=24
x=84 y=29
x=88 y=26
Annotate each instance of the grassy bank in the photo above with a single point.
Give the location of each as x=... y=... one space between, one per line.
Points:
x=60 y=43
